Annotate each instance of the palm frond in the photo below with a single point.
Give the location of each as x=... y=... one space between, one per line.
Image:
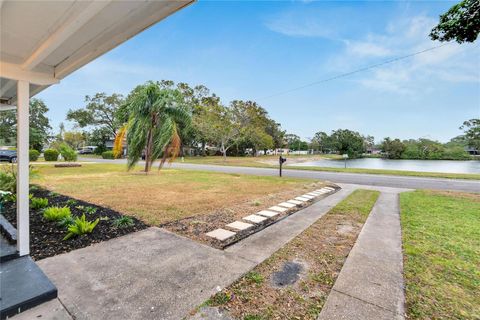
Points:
x=118 y=143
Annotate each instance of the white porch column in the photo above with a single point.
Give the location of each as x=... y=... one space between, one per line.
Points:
x=23 y=128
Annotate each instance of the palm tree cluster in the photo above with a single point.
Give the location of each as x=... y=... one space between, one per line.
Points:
x=153 y=115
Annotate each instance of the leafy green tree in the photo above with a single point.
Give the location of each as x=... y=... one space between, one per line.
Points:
x=274 y=130
x=321 y=141
x=219 y=126
x=254 y=123
x=155 y=115
x=460 y=23
x=39 y=125
x=393 y=149
x=100 y=114
x=472 y=132
x=347 y=141
x=74 y=139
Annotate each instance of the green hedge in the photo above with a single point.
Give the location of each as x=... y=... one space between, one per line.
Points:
x=33 y=155
x=51 y=155
x=108 y=155
x=68 y=153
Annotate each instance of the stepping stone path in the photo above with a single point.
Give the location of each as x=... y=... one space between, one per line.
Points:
x=239 y=225
x=221 y=234
x=296 y=202
x=308 y=197
x=303 y=199
x=268 y=214
x=277 y=208
x=286 y=205
x=254 y=218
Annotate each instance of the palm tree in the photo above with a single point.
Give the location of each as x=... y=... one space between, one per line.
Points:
x=154 y=116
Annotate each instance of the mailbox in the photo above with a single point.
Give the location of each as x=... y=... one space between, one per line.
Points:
x=281 y=160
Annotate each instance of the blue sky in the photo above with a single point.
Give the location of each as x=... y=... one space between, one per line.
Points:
x=251 y=50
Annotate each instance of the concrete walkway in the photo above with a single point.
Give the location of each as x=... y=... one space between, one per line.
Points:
x=155 y=274
x=370 y=285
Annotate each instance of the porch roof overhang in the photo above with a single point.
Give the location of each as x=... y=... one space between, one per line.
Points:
x=42 y=42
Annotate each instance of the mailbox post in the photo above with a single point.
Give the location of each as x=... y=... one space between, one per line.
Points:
x=281 y=160
x=345 y=156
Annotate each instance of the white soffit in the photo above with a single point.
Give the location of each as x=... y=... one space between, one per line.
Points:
x=44 y=41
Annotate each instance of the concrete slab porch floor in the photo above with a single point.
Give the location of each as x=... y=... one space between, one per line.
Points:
x=155 y=274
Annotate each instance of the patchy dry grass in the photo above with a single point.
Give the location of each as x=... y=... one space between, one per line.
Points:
x=441 y=239
x=168 y=195
x=321 y=250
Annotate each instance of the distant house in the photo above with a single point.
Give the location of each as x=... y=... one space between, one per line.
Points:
x=472 y=151
x=374 y=151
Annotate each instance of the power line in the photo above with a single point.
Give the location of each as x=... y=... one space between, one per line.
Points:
x=352 y=72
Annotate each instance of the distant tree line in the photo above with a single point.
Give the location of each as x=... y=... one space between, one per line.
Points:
x=178 y=116
x=232 y=129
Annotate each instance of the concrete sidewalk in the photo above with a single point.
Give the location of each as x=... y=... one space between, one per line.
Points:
x=370 y=285
x=155 y=274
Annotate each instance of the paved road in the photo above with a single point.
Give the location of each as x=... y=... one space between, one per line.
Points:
x=338 y=177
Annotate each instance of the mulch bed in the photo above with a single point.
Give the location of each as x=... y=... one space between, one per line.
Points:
x=46 y=238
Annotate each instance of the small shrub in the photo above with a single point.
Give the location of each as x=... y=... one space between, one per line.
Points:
x=53 y=194
x=123 y=222
x=34 y=188
x=39 y=203
x=10 y=197
x=90 y=210
x=257 y=203
x=68 y=153
x=71 y=202
x=66 y=222
x=33 y=155
x=108 y=155
x=56 y=213
x=220 y=298
x=8 y=180
x=5 y=196
x=254 y=277
x=50 y=155
x=80 y=227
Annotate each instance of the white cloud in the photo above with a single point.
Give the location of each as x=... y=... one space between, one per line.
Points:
x=289 y=25
x=451 y=63
x=368 y=49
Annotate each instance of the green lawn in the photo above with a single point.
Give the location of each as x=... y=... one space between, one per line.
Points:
x=441 y=239
x=271 y=162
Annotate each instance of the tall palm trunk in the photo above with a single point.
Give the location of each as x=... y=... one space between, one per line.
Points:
x=148 y=150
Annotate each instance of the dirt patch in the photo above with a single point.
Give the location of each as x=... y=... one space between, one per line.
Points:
x=323 y=247
x=196 y=227
x=46 y=237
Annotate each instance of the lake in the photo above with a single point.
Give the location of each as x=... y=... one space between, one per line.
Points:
x=447 y=166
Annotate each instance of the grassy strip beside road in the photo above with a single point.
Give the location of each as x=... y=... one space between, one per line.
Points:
x=465 y=176
x=321 y=250
x=272 y=162
x=170 y=194
x=441 y=236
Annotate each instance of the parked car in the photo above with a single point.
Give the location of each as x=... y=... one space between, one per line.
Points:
x=87 y=150
x=8 y=155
